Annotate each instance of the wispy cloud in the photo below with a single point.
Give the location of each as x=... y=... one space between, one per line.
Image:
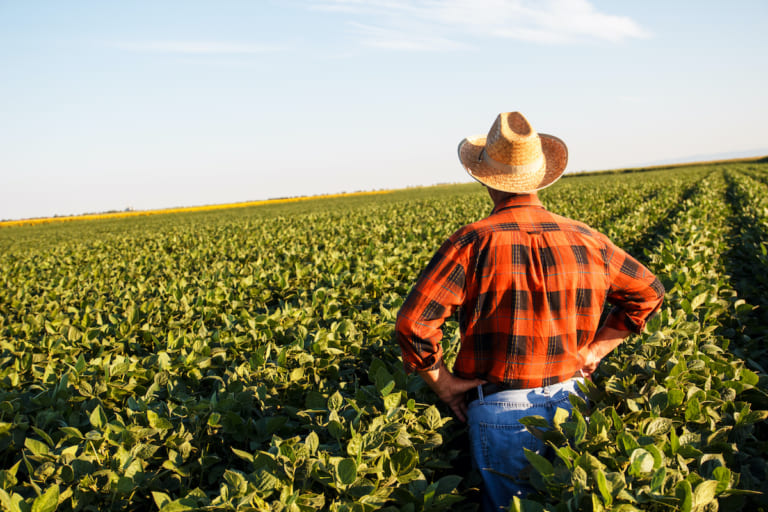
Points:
x=394 y=39
x=194 y=47
x=446 y=24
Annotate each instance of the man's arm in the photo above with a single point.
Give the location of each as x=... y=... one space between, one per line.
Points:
x=636 y=294
x=450 y=389
x=436 y=294
x=606 y=339
x=434 y=297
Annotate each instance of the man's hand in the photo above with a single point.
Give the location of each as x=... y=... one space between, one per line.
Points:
x=606 y=339
x=450 y=389
x=589 y=361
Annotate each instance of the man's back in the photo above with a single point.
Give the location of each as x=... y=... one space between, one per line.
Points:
x=531 y=287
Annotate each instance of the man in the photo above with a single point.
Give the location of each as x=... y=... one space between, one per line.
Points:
x=530 y=287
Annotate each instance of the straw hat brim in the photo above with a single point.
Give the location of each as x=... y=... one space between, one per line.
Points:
x=555 y=161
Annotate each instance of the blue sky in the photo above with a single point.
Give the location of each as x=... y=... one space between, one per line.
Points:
x=153 y=104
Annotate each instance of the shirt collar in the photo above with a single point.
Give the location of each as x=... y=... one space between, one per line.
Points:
x=518 y=201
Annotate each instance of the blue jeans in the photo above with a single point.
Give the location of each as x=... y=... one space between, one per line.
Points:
x=497 y=437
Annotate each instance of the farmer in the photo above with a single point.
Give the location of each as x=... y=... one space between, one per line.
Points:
x=530 y=287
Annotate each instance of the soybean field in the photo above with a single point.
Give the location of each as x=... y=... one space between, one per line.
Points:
x=244 y=359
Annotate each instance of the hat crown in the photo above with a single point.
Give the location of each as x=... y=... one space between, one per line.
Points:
x=512 y=140
x=513 y=157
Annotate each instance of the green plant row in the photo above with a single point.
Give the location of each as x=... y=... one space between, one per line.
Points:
x=670 y=425
x=244 y=360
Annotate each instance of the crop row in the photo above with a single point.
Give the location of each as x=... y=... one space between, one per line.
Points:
x=245 y=360
x=671 y=424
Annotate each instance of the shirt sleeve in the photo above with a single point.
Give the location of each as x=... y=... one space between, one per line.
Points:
x=635 y=292
x=434 y=297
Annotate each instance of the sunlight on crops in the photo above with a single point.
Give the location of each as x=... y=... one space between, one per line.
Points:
x=243 y=358
x=185 y=209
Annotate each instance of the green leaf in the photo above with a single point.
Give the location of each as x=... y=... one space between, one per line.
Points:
x=384 y=381
x=335 y=401
x=723 y=477
x=627 y=443
x=404 y=461
x=674 y=441
x=567 y=455
x=236 y=482
x=432 y=418
x=346 y=471
x=705 y=492
x=751 y=417
x=675 y=397
x=297 y=374
x=161 y=499
x=658 y=479
x=214 y=419
x=8 y=476
x=693 y=411
x=180 y=505
x=72 y=433
x=97 y=418
x=125 y=485
x=524 y=505
x=658 y=457
x=749 y=377
x=5 y=428
x=80 y=364
x=246 y=456
x=699 y=300
x=6 y=502
x=604 y=487
x=581 y=429
x=641 y=462
x=534 y=421
x=48 y=501
x=312 y=442
x=658 y=426
x=35 y=446
x=159 y=422
x=560 y=417
x=391 y=401
x=618 y=423
x=447 y=484
x=684 y=494
x=597 y=505
x=541 y=464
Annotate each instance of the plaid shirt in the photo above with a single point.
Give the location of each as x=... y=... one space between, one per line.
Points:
x=530 y=287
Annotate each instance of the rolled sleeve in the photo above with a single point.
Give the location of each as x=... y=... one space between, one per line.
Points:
x=635 y=292
x=434 y=297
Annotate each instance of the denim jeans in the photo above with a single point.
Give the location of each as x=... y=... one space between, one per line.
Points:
x=497 y=438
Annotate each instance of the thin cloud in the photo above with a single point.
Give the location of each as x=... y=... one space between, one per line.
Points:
x=194 y=47
x=379 y=37
x=445 y=24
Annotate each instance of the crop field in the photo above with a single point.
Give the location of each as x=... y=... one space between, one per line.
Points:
x=244 y=359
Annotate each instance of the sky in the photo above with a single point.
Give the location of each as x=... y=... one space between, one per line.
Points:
x=108 y=105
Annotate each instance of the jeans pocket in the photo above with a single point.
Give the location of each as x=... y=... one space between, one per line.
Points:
x=503 y=446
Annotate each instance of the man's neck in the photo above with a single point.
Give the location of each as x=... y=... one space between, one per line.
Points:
x=501 y=198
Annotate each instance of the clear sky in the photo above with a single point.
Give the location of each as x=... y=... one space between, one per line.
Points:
x=106 y=105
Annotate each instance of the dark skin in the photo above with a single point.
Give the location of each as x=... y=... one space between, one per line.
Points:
x=452 y=390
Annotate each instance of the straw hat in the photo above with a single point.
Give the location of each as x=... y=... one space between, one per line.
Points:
x=513 y=157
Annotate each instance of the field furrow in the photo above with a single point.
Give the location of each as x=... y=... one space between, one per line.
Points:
x=244 y=359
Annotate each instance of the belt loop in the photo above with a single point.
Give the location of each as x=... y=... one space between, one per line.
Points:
x=480 y=393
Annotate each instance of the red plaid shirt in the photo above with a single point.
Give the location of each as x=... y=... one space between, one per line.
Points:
x=530 y=287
